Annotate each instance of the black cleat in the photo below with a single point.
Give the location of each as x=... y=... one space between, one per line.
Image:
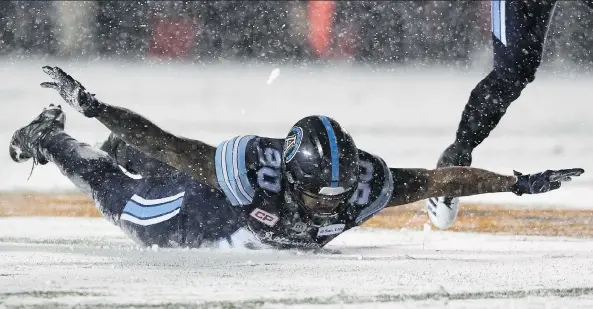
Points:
x=24 y=144
x=455 y=155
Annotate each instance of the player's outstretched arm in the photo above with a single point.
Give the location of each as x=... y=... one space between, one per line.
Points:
x=411 y=185
x=191 y=156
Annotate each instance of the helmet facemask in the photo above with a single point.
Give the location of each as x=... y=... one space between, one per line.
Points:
x=320 y=203
x=315 y=201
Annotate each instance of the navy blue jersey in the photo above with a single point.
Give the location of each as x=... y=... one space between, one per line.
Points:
x=248 y=169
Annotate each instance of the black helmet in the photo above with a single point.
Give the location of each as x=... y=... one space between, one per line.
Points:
x=320 y=161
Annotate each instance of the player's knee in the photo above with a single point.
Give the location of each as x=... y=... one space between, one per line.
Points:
x=89 y=164
x=518 y=74
x=510 y=83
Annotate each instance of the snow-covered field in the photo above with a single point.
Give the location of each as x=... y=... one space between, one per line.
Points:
x=407 y=116
x=61 y=262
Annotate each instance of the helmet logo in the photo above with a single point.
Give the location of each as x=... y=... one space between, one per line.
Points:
x=292 y=143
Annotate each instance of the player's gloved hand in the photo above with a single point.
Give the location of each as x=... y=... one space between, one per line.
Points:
x=72 y=91
x=543 y=182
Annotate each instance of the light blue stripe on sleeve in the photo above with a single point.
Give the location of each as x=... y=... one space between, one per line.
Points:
x=221 y=172
x=230 y=173
x=244 y=180
x=231 y=170
x=235 y=177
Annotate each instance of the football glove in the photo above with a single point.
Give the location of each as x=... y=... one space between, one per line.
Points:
x=72 y=91
x=544 y=181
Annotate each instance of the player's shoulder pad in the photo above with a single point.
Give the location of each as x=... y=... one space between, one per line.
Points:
x=232 y=167
x=375 y=186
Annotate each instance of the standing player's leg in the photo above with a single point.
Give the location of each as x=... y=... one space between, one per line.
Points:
x=518 y=32
x=91 y=170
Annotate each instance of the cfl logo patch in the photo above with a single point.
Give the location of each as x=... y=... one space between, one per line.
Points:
x=264 y=217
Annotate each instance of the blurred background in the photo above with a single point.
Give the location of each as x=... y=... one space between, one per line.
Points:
x=368 y=32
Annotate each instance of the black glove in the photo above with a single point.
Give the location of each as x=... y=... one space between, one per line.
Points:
x=72 y=92
x=543 y=182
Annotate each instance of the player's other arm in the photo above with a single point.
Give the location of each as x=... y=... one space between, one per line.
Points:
x=411 y=185
x=190 y=156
